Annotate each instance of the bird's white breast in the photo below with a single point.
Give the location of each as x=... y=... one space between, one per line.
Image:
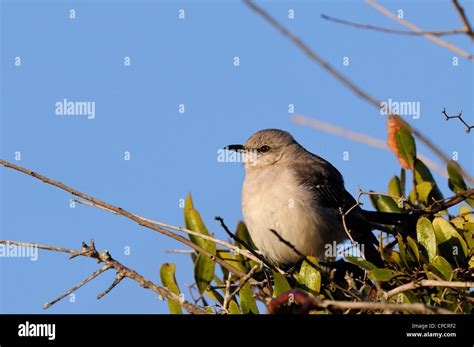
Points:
x=273 y=199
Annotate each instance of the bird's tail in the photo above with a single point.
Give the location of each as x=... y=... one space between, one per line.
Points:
x=407 y=221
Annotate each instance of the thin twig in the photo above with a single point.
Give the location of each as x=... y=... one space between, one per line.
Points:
x=104 y=257
x=462 y=15
x=459 y=116
x=118 y=278
x=310 y=303
x=294 y=249
x=443 y=204
x=428 y=283
x=413 y=27
x=243 y=281
x=260 y=258
x=348 y=233
x=311 y=54
x=365 y=306
x=392 y=31
x=180 y=251
x=227 y=295
x=77 y=286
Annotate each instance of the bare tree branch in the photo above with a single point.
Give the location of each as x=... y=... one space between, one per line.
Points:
x=393 y=31
x=109 y=263
x=462 y=15
x=77 y=286
x=443 y=204
x=459 y=116
x=309 y=303
x=413 y=27
x=428 y=283
x=260 y=258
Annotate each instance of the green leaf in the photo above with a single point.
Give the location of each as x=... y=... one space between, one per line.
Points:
x=403 y=179
x=243 y=234
x=406 y=146
x=247 y=301
x=414 y=248
x=203 y=266
x=387 y=204
x=394 y=186
x=242 y=262
x=280 y=284
x=393 y=257
x=309 y=277
x=424 y=191
x=401 y=247
x=365 y=264
x=456 y=182
x=426 y=237
x=383 y=275
x=203 y=272
x=194 y=222
x=443 y=267
x=449 y=241
x=233 y=308
x=466 y=213
x=423 y=174
x=167 y=275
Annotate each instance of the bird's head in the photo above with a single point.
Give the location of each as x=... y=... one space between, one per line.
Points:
x=265 y=147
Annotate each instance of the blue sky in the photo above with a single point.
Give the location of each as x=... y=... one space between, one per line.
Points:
x=190 y=62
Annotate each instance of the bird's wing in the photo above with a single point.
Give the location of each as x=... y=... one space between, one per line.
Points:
x=327 y=186
x=325 y=182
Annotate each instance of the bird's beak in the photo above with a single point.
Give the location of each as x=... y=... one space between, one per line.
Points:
x=237 y=148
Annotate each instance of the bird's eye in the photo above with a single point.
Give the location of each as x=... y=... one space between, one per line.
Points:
x=264 y=149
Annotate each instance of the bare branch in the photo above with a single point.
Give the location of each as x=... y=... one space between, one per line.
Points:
x=462 y=15
x=413 y=27
x=309 y=303
x=348 y=232
x=458 y=116
x=428 y=283
x=297 y=252
x=88 y=279
x=441 y=205
x=122 y=271
x=311 y=54
x=260 y=258
x=118 y=278
x=243 y=281
x=393 y=31
x=227 y=297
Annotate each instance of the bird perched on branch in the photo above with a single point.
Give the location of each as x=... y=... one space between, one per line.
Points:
x=292 y=193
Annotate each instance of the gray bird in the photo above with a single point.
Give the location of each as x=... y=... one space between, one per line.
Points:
x=300 y=196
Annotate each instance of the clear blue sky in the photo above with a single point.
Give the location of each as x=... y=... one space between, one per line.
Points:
x=189 y=62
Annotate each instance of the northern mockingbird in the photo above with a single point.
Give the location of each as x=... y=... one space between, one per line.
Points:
x=300 y=196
